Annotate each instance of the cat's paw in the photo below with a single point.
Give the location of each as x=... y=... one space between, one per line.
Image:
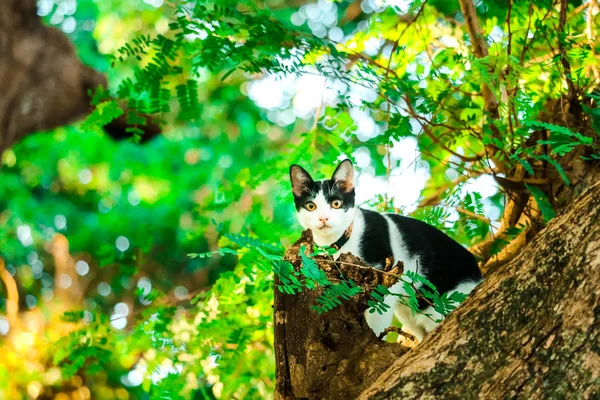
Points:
x=406 y=339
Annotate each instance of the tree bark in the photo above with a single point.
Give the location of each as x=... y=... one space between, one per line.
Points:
x=334 y=355
x=530 y=330
x=43 y=84
x=42 y=81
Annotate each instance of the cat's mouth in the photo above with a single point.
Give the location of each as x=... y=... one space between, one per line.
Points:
x=324 y=227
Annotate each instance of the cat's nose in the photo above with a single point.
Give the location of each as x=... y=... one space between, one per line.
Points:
x=323 y=219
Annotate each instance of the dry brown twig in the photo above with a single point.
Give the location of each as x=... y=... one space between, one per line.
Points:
x=12 y=303
x=399 y=331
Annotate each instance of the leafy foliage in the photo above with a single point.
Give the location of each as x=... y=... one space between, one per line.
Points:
x=220 y=252
x=103 y=230
x=542 y=202
x=334 y=294
x=311 y=271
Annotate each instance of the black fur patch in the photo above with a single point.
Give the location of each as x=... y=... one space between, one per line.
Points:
x=375 y=244
x=443 y=260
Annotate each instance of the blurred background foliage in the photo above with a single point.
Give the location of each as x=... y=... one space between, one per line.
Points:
x=101 y=229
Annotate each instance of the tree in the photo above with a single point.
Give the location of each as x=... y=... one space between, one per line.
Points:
x=505 y=91
x=529 y=331
x=501 y=342
x=43 y=81
x=37 y=61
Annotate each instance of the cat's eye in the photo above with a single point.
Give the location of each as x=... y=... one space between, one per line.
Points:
x=336 y=203
x=310 y=206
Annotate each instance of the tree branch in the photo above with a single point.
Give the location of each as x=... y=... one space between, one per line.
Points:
x=12 y=297
x=43 y=83
x=561 y=48
x=436 y=197
x=480 y=49
x=526 y=330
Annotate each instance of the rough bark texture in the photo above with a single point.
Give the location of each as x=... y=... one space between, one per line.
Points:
x=531 y=330
x=334 y=355
x=43 y=84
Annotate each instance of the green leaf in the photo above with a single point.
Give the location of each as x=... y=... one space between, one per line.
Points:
x=330 y=298
x=545 y=207
x=458 y=297
x=104 y=113
x=222 y=251
x=550 y=127
x=311 y=270
x=525 y=164
x=226 y=75
x=558 y=167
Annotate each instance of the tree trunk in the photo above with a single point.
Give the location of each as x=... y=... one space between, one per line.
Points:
x=42 y=81
x=43 y=84
x=334 y=355
x=530 y=330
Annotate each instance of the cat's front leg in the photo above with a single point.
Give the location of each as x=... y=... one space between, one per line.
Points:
x=380 y=322
x=411 y=322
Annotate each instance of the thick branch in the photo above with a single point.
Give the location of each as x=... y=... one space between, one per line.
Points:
x=43 y=84
x=563 y=53
x=12 y=295
x=480 y=49
x=529 y=331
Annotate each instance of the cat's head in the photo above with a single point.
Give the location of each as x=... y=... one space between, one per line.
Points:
x=327 y=206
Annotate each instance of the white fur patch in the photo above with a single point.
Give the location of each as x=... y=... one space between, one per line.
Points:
x=345 y=173
x=338 y=220
x=419 y=324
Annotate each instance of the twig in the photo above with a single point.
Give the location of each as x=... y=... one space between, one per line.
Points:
x=399 y=331
x=12 y=303
x=525 y=44
x=510 y=92
x=346 y=263
x=436 y=197
x=508 y=15
x=580 y=9
x=563 y=53
x=413 y=20
x=388 y=117
x=437 y=139
x=388 y=70
x=473 y=215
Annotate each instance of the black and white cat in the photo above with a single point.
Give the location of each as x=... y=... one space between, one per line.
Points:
x=328 y=208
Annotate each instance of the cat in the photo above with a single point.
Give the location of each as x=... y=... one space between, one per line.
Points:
x=328 y=209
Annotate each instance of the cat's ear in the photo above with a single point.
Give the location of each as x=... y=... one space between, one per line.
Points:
x=344 y=176
x=301 y=180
